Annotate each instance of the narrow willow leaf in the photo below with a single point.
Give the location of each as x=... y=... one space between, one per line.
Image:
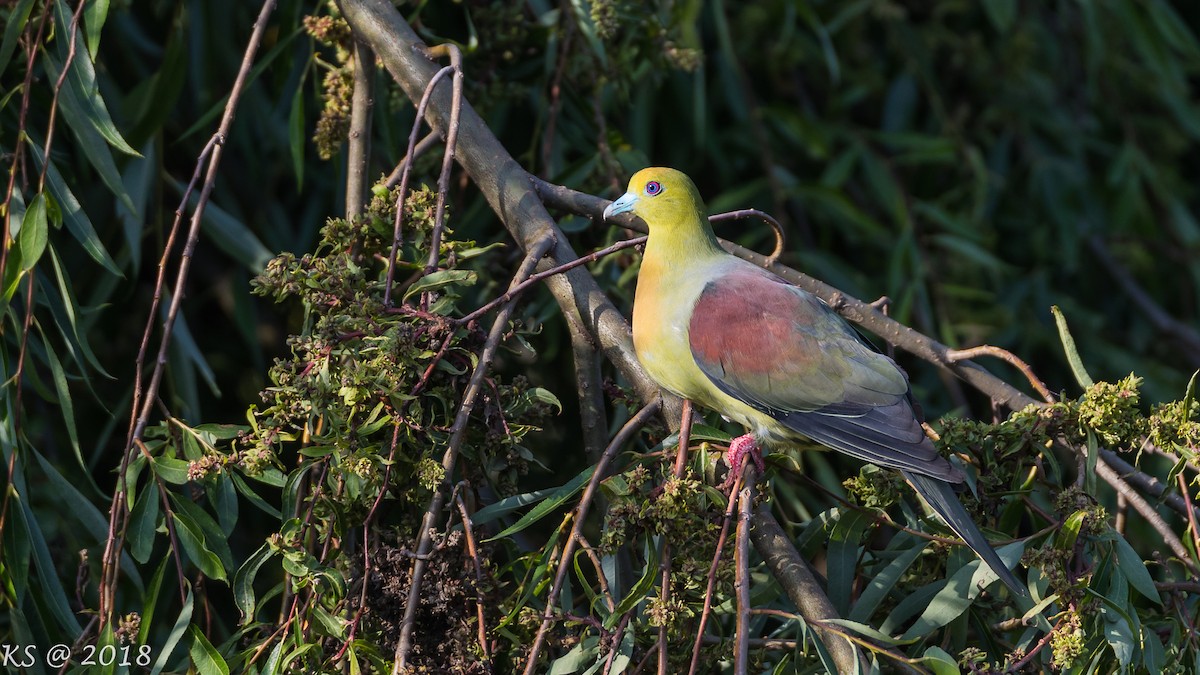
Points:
x=76 y=220
x=177 y=631
x=547 y=505
x=14 y=26
x=1068 y=343
x=50 y=589
x=214 y=539
x=81 y=84
x=95 y=13
x=296 y=132
x=34 y=232
x=67 y=408
x=960 y=592
x=206 y=659
x=243 y=583
x=253 y=496
x=1133 y=568
x=439 y=279
x=640 y=589
x=191 y=538
x=844 y=542
x=143 y=522
x=884 y=581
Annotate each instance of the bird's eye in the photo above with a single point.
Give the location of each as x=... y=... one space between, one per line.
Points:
x=653 y=188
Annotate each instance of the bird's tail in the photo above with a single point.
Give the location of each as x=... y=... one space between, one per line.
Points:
x=941 y=497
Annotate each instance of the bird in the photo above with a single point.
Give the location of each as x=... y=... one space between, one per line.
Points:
x=732 y=337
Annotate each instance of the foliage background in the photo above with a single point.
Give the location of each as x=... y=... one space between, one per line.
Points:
x=976 y=162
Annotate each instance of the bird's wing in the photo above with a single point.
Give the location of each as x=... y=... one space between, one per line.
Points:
x=785 y=353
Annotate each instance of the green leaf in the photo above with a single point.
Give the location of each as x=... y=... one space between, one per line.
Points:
x=243 y=582
x=844 y=540
x=1133 y=567
x=296 y=132
x=939 y=662
x=34 y=232
x=214 y=538
x=177 y=631
x=549 y=504
x=143 y=521
x=191 y=537
x=51 y=592
x=14 y=25
x=1068 y=343
x=884 y=581
x=960 y=592
x=640 y=589
x=95 y=13
x=81 y=88
x=440 y=278
x=205 y=657
x=76 y=220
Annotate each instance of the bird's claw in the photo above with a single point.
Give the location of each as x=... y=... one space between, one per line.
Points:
x=738 y=449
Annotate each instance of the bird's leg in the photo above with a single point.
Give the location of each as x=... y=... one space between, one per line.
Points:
x=738 y=448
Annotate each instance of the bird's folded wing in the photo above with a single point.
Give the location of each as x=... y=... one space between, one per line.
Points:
x=784 y=352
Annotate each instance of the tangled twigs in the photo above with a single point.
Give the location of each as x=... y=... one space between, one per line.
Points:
x=473 y=552
x=117 y=508
x=405 y=173
x=521 y=287
x=956 y=355
x=450 y=458
x=712 y=569
x=564 y=559
x=439 y=222
x=681 y=455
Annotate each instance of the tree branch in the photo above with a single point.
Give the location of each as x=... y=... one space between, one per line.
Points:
x=862 y=313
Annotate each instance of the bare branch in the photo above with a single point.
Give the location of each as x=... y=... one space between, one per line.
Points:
x=956 y=355
x=855 y=310
x=358 y=151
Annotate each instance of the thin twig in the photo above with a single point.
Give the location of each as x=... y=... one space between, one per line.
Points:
x=439 y=218
x=473 y=552
x=590 y=552
x=398 y=224
x=1041 y=644
x=716 y=562
x=1145 y=510
x=956 y=355
x=681 y=454
x=117 y=512
x=431 y=139
x=450 y=458
x=1148 y=483
x=1191 y=514
x=564 y=559
x=780 y=239
x=520 y=288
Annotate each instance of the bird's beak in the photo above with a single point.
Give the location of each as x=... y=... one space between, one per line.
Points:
x=624 y=203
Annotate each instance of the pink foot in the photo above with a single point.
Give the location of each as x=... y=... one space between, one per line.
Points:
x=738 y=448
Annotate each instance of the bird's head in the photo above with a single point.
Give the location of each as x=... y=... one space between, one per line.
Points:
x=664 y=198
